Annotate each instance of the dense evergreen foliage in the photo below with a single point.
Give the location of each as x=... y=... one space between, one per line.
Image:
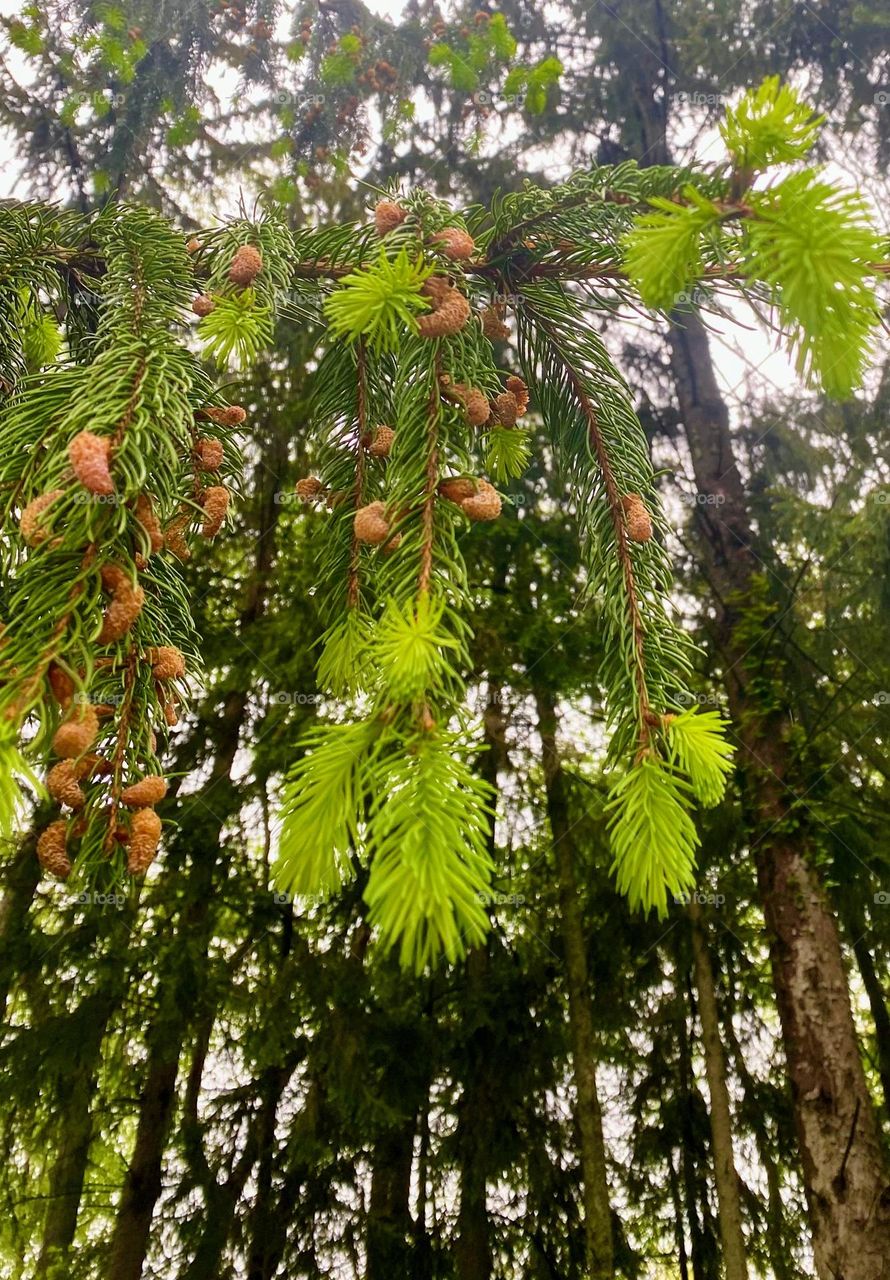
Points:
x=459 y=725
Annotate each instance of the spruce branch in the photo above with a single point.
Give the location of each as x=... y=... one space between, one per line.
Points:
x=352 y=590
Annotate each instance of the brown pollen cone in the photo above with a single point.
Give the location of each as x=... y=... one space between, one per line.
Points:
x=310 y=489
x=226 y=415
x=636 y=518
x=382 y=443
x=63 y=783
x=146 y=792
x=167 y=662
x=475 y=402
x=145 y=835
x=387 y=216
x=208 y=454
x=52 y=852
x=77 y=733
x=455 y=243
x=90 y=457
x=370 y=524
x=449 y=317
x=61 y=684
x=145 y=514
x=246 y=265
x=519 y=390
x=125 y=607
x=174 y=536
x=493 y=326
x=215 y=504
x=458 y=488
x=485 y=503
x=32 y=527
x=505 y=409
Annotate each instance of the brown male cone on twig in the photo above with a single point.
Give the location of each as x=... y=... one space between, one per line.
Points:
x=144 y=512
x=90 y=458
x=505 y=409
x=458 y=488
x=145 y=835
x=636 y=518
x=485 y=504
x=208 y=454
x=473 y=401
x=226 y=415
x=215 y=504
x=370 y=524
x=148 y=791
x=167 y=662
x=450 y=313
x=493 y=325
x=174 y=536
x=387 y=216
x=125 y=606
x=310 y=489
x=63 y=783
x=455 y=243
x=61 y=684
x=52 y=852
x=246 y=265
x=516 y=386
x=77 y=733
x=32 y=528
x=382 y=442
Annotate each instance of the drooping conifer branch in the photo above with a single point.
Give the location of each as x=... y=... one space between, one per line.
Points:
x=618 y=517
x=100 y=456
x=361 y=443
x=413 y=417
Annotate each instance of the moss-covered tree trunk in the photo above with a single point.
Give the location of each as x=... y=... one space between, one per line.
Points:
x=844 y=1167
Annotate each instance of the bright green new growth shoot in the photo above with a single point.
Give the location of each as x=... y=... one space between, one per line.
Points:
x=804 y=245
x=379 y=303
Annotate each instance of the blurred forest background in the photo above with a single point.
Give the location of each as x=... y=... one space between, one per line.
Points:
x=204 y=1080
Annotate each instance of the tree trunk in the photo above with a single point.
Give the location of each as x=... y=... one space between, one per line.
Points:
x=390 y=1228
x=223 y=1198
x=473 y=1250
x=74 y=1105
x=725 y=1176
x=473 y=1254
x=688 y=1157
x=200 y=836
x=777 y=1232
x=129 y=1243
x=269 y=1220
x=679 y=1225
x=845 y=1174
x=874 y=990
x=844 y=1169
x=22 y=878
x=597 y=1213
